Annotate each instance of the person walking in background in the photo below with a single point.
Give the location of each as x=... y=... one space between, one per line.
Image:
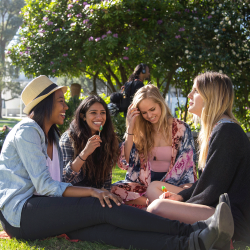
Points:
x=224 y=160
x=88 y=153
x=157 y=147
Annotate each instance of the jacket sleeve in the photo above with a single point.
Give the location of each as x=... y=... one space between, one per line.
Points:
x=223 y=158
x=29 y=147
x=69 y=175
x=184 y=167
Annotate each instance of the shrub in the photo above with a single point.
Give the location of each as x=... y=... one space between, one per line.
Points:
x=3 y=135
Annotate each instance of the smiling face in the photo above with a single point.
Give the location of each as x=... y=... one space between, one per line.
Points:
x=196 y=103
x=95 y=117
x=150 y=110
x=59 y=108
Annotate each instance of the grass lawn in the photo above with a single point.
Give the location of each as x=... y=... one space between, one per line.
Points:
x=62 y=244
x=11 y=122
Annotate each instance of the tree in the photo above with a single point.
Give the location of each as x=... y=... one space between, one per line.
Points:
x=85 y=82
x=107 y=39
x=10 y=21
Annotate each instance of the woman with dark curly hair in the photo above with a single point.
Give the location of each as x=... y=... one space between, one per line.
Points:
x=89 y=154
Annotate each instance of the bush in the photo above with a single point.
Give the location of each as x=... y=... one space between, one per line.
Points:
x=119 y=122
x=3 y=135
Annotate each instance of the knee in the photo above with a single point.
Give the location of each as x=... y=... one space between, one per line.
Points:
x=153 y=186
x=155 y=207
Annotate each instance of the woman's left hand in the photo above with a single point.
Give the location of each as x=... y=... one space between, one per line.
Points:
x=171 y=196
x=106 y=196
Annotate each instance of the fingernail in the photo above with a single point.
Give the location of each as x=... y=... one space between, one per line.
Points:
x=119 y=204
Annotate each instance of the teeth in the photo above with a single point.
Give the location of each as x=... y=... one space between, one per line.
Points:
x=152 y=118
x=97 y=123
x=62 y=113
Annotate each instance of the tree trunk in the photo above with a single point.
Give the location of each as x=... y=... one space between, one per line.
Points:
x=169 y=78
x=114 y=76
x=158 y=82
x=0 y=102
x=109 y=81
x=123 y=74
x=3 y=45
x=94 y=83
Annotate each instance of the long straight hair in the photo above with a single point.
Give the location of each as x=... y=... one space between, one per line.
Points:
x=41 y=112
x=100 y=162
x=143 y=129
x=217 y=93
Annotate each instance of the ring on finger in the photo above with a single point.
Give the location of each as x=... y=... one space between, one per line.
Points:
x=105 y=196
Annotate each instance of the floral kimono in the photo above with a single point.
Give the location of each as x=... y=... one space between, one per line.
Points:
x=182 y=169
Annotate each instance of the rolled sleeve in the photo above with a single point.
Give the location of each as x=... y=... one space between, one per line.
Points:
x=69 y=175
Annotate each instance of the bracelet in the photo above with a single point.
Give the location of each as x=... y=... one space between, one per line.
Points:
x=128 y=133
x=81 y=158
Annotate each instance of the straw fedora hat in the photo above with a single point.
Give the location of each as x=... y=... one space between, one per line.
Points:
x=37 y=90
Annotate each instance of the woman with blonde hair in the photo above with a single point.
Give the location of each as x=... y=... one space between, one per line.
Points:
x=157 y=147
x=224 y=160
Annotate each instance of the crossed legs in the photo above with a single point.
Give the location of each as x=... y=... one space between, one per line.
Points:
x=175 y=210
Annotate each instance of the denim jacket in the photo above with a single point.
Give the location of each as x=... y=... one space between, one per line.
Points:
x=23 y=169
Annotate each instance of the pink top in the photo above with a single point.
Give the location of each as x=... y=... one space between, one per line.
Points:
x=53 y=165
x=160 y=158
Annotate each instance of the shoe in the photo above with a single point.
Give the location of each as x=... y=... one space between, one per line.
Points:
x=217 y=234
x=203 y=224
x=225 y=198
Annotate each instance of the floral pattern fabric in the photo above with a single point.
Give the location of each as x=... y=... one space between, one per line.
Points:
x=182 y=169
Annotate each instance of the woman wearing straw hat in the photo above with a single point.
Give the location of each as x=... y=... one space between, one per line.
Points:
x=35 y=204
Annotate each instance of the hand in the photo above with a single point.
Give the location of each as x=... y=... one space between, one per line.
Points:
x=103 y=195
x=131 y=116
x=92 y=144
x=171 y=196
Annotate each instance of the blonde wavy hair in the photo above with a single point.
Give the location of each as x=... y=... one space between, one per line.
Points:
x=143 y=129
x=217 y=93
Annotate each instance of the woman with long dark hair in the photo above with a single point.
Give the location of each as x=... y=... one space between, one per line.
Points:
x=89 y=157
x=35 y=204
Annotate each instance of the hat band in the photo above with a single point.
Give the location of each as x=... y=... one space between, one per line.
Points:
x=47 y=90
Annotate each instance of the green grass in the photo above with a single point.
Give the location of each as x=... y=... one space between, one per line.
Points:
x=11 y=122
x=62 y=244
